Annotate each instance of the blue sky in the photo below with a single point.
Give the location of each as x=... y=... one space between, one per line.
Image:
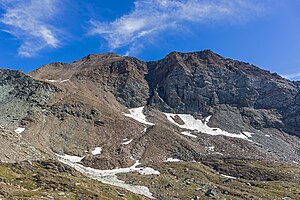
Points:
x=262 y=32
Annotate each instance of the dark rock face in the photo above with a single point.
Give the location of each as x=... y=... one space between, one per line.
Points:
x=190 y=82
x=76 y=109
x=19 y=95
x=198 y=82
x=26 y=88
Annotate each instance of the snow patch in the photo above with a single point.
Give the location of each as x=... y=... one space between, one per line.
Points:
x=188 y=133
x=147 y=170
x=172 y=160
x=55 y=81
x=248 y=134
x=138 y=115
x=73 y=159
x=97 y=151
x=64 y=80
x=226 y=176
x=19 y=130
x=109 y=176
x=127 y=142
x=193 y=124
x=113 y=180
x=207 y=119
x=52 y=81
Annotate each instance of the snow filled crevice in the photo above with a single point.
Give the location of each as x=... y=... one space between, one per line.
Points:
x=127 y=142
x=138 y=115
x=66 y=80
x=52 y=81
x=226 y=176
x=196 y=125
x=110 y=176
x=188 y=133
x=248 y=134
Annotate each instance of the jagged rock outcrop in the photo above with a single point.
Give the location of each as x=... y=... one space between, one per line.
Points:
x=20 y=95
x=202 y=81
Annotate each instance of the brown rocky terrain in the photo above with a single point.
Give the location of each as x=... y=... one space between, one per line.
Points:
x=14 y=148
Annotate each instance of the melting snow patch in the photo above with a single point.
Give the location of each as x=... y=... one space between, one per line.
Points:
x=127 y=142
x=73 y=159
x=113 y=180
x=138 y=115
x=172 y=160
x=19 y=130
x=248 y=134
x=64 y=81
x=52 y=81
x=226 y=176
x=197 y=125
x=207 y=119
x=55 y=81
x=109 y=176
x=146 y=170
x=97 y=151
x=188 y=133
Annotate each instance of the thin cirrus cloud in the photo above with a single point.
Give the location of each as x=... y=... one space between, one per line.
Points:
x=28 y=21
x=149 y=18
x=292 y=76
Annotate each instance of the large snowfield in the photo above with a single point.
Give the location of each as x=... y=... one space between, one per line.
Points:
x=198 y=126
x=109 y=176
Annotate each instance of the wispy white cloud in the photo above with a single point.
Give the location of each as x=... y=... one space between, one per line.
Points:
x=29 y=21
x=151 y=17
x=292 y=76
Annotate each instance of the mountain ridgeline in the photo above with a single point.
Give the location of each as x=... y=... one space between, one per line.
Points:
x=200 y=82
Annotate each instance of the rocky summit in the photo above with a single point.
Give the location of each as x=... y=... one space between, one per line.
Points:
x=189 y=126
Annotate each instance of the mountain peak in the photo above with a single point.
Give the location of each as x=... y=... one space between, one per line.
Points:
x=100 y=56
x=208 y=53
x=204 y=54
